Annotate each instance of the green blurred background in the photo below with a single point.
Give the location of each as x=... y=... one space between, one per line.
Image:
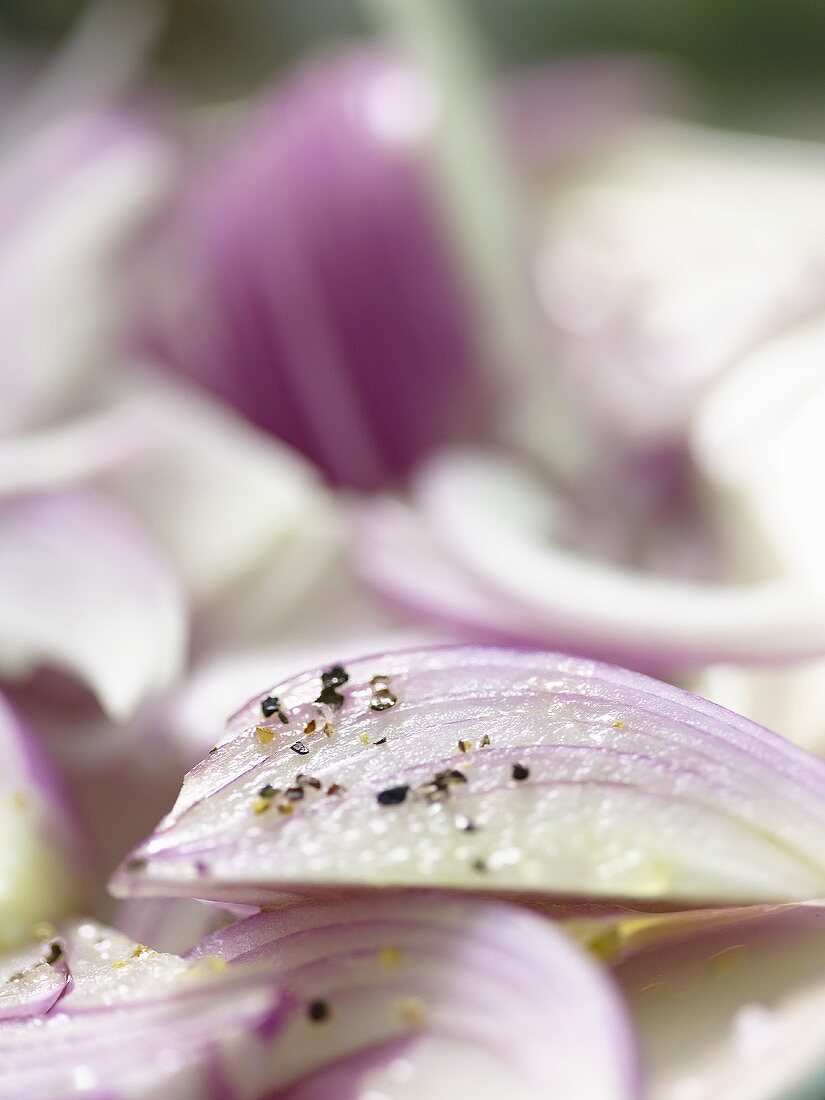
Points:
x=759 y=64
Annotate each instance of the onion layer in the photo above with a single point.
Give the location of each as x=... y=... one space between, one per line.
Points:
x=30 y=984
x=491 y=770
x=132 y=1023
x=482 y=547
x=734 y=1010
x=416 y=996
x=66 y=560
x=410 y=996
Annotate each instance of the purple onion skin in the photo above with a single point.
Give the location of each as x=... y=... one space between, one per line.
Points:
x=318 y=290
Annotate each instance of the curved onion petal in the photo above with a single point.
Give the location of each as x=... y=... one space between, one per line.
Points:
x=401 y=559
x=758 y=437
x=29 y=984
x=596 y=782
x=438 y=998
x=315 y=238
x=225 y=502
x=69 y=200
x=135 y=1024
x=82 y=590
x=495 y=559
x=734 y=1011
x=39 y=849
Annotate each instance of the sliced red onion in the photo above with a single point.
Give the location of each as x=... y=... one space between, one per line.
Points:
x=482 y=548
x=316 y=238
x=734 y=1010
x=413 y=995
x=596 y=782
x=82 y=590
x=134 y=1023
x=178 y=461
x=41 y=868
x=124 y=777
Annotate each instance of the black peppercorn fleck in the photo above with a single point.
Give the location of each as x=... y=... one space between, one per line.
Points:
x=272 y=705
x=330 y=696
x=334 y=676
x=318 y=1011
x=393 y=796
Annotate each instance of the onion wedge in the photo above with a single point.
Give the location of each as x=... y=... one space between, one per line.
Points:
x=410 y=997
x=496 y=771
x=132 y=1023
x=414 y=996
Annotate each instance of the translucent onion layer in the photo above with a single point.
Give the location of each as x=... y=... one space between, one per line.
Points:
x=493 y=770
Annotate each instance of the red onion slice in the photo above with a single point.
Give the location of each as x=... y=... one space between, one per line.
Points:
x=316 y=235
x=734 y=1011
x=134 y=1023
x=412 y=996
x=67 y=559
x=491 y=770
x=495 y=563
